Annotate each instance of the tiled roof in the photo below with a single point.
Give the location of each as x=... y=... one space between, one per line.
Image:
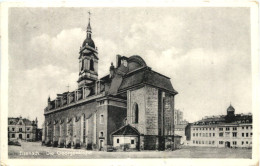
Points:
x=146 y=76
x=14 y=121
x=126 y=130
x=238 y=118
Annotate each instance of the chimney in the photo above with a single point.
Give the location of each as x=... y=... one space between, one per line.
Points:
x=111 y=70
x=118 y=60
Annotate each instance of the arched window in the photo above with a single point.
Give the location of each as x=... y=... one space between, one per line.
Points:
x=135 y=113
x=82 y=65
x=91 y=66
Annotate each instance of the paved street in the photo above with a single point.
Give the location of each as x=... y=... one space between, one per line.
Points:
x=35 y=150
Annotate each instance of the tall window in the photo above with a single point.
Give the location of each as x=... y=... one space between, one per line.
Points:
x=82 y=64
x=91 y=65
x=135 y=113
x=101 y=119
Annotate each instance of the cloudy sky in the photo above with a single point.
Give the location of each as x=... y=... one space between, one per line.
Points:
x=205 y=52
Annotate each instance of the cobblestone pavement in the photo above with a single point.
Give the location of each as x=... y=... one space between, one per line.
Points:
x=35 y=150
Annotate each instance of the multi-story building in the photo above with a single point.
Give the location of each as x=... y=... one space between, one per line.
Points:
x=22 y=128
x=131 y=97
x=179 y=129
x=231 y=130
x=178 y=118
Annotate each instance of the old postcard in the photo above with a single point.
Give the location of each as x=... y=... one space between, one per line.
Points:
x=172 y=82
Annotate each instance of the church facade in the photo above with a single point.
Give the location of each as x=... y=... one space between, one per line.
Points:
x=132 y=94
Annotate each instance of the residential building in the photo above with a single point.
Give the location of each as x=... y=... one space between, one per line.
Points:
x=231 y=130
x=22 y=128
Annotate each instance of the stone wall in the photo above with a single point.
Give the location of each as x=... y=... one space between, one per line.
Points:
x=116 y=116
x=70 y=120
x=137 y=96
x=151 y=111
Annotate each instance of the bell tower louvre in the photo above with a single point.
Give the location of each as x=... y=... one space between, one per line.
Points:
x=88 y=60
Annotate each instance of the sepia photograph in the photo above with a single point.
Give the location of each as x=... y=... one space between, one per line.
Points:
x=145 y=82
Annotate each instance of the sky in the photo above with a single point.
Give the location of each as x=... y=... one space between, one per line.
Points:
x=205 y=51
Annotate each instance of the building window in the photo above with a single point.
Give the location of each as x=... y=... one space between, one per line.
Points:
x=246 y=142
x=20 y=129
x=251 y=127
x=213 y=128
x=242 y=127
x=234 y=128
x=13 y=129
x=28 y=128
x=196 y=142
x=136 y=113
x=246 y=134
x=91 y=65
x=220 y=142
x=234 y=142
x=101 y=119
x=209 y=142
x=132 y=141
x=246 y=127
x=206 y=134
x=213 y=142
x=251 y=134
x=200 y=134
x=28 y=135
x=203 y=134
x=209 y=128
x=117 y=140
x=13 y=135
x=101 y=134
x=220 y=129
x=234 y=134
x=213 y=134
x=196 y=134
x=193 y=142
x=242 y=134
x=82 y=65
x=227 y=128
x=209 y=134
x=193 y=134
x=242 y=142
x=202 y=142
x=221 y=134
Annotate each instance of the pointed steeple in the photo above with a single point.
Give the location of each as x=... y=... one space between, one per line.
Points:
x=89 y=27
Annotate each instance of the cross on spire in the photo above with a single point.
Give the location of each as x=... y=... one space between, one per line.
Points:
x=89 y=15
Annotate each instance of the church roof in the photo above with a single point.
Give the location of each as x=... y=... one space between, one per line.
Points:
x=126 y=130
x=146 y=76
x=89 y=42
x=136 y=73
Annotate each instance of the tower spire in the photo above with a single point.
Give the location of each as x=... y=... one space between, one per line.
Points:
x=89 y=27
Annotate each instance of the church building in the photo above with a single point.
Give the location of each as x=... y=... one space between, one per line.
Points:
x=132 y=96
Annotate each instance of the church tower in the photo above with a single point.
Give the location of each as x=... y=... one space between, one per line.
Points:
x=88 y=60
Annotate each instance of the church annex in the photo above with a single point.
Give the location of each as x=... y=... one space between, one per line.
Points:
x=103 y=113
